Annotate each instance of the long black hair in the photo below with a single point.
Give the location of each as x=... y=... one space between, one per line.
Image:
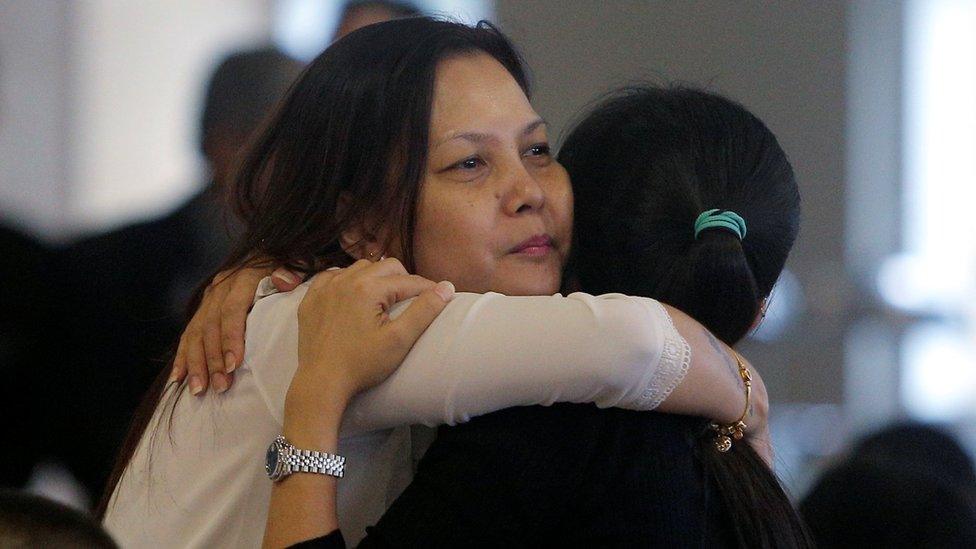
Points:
x=347 y=146
x=645 y=162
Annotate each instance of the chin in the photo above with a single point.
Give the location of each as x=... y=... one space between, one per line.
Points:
x=529 y=285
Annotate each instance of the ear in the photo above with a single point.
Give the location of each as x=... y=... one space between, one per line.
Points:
x=760 y=315
x=356 y=240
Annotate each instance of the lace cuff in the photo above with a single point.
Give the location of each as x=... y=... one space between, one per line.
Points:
x=671 y=368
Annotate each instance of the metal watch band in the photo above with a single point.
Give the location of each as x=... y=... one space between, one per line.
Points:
x=310 y=461
x=283 y=459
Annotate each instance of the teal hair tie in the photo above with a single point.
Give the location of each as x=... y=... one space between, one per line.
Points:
x=721 y=219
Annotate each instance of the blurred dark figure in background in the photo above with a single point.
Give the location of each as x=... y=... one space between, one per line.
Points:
x=923 y=449
x=25 y=322
x=359 y=13
x=28 y=521
x=126 y=290
x=909 y=485
x=25 y=341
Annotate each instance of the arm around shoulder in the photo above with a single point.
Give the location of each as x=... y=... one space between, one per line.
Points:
x=489 y=352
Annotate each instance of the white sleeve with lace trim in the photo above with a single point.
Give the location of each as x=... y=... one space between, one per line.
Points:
x=489 y=352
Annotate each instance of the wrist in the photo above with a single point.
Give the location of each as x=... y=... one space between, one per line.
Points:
x=321 y=437
x=313 y=415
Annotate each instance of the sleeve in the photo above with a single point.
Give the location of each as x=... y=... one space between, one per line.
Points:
x=490 y=352
x=197 y=478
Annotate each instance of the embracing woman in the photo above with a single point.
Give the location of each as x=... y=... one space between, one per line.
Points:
x=414 y=140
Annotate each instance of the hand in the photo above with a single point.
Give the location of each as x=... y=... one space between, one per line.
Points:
x=212 y=345
x=347 y=343
x=757 y=432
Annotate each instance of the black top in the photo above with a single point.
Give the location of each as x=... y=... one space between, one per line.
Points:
x=566 y=475
x=125 y=298
x=29 y=339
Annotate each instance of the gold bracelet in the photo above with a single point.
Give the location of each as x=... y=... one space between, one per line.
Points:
x=737 y=429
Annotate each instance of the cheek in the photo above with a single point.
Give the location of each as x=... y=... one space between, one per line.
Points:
x=453 y=240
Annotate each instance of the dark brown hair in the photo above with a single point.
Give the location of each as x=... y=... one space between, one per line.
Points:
x=354 y=126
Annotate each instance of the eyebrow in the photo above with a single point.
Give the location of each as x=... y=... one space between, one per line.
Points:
x=476 y=137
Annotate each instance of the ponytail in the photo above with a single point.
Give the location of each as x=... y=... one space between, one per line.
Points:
x=759 y=512
x=719 y=276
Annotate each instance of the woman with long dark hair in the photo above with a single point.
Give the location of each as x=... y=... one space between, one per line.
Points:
x=665 y=181
x=359 y=163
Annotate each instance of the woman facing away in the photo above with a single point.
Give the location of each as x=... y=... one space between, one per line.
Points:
x=413 y=139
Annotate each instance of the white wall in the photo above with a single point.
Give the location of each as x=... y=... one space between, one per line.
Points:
x=100 y=101
x=786 y=61
x=34 y=93
x=139 y=72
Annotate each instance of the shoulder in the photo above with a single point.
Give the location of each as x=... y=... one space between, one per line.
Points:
x=551 y=440
x=271 y=343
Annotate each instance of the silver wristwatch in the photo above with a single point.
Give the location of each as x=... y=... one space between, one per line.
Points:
x=284 y=459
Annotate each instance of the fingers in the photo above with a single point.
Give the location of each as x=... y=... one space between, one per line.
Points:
x=178 y=372
x=322 y=279
x=212 y=347
x=196 y=363
x=399 y=288
x=233 y=317
x=359 y=265
x=388 y=266
x=190 y=355
x=285 y=280
x=419 y=314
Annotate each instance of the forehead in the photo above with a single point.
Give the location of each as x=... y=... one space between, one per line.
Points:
x=476 y=92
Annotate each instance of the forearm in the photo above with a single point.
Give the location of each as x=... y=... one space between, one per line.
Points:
x=491 y=352
x=712 y=387
x=303 y=505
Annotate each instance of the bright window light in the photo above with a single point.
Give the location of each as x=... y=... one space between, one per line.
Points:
x=940 y=381
x=937 y=274
x=940 y=150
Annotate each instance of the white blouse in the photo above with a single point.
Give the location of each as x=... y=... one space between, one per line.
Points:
x=197 y=478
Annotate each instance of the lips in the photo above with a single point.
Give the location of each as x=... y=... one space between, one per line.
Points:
x=535 y=246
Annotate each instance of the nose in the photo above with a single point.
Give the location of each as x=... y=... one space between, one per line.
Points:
x=525 y=193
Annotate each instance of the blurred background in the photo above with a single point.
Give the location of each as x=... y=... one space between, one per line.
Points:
x=101 y=109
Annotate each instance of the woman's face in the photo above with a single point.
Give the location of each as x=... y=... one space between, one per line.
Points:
x=495 y=210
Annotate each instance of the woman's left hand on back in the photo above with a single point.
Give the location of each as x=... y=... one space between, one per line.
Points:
x=212 y=344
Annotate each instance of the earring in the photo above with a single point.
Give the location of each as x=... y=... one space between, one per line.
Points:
x=370 y=255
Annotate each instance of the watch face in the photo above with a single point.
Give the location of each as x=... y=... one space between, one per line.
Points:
x=271 y=460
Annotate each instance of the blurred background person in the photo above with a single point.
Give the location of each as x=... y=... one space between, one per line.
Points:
x=908 y=485
x=359 y=13
x=25 y=323
x=125 y=291
x=28 y=521
x=920 y=448
x=26 y=320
